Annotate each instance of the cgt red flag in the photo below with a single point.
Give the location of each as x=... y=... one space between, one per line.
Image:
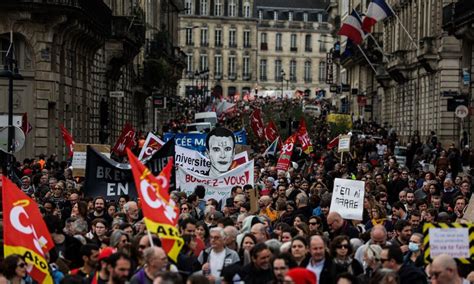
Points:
x=24 y=231
x=256 y=123
x=286 y=153
x=271 y=131
x=126 y=140
x=303 y=137
x=68 y=140
x=160 y=211
x=333 y=143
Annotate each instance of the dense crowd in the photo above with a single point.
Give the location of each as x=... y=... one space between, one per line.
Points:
x=291 y=237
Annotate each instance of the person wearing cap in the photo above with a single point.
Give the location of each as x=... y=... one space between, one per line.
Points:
x=300 y=276
x=101 y=276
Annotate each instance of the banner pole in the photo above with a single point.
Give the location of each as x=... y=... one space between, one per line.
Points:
x=403 y=27
x=366 y=58
x=150 y=238
x=378 y=47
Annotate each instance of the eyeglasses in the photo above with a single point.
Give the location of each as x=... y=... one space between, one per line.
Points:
x=342 y=246
x=21 y=265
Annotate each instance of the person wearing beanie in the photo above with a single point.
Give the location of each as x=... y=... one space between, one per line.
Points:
x=300 y=276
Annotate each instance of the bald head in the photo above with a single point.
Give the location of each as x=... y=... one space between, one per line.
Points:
x=443 y=270
x=259 y=232
x=155 y=257
x=378 y=235
x=335 y=221
x=445 y=261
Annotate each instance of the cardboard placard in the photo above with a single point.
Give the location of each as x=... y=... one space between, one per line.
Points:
x=80 y=156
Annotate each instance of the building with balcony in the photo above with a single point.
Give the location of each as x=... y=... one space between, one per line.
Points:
x=72 y=54
x=219 y=39
x=293 y=41
x=416 y=85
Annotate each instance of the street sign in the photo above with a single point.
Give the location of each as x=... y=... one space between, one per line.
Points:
x=159 y=102
x=449 y=93
x=453 y=103
x=19 y=139
x=346 y=88
x=116 y=94
x=461 y=111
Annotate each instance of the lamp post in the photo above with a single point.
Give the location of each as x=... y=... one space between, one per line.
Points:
x=282 y=74
x=10 y=71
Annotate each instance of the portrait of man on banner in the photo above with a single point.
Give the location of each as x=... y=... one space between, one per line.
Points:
x=220 y=148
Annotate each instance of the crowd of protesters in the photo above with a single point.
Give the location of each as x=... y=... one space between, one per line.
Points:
x=290 y=238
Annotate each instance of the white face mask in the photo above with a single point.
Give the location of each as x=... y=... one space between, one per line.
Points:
x=413 y=247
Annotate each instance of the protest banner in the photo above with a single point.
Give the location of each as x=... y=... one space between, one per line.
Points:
x=216 y=187
x=152 y=144
x=197 y=141
x=80 y=155
x=455 y=240
x=108 y=178
x=198 y=163
x=286 y=153
x=348 y=198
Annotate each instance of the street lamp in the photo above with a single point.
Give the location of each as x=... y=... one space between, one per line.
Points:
x=282 y=74
x=10 y=71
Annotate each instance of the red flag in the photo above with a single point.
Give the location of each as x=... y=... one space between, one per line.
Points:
x=24 y=231
x=68 y=140
x=286 y=152
x=333 y=143
x=256 y=123
x=271 y=131
x=126 y=140
x=160 y=211
x=303 y=137
x=25 y=125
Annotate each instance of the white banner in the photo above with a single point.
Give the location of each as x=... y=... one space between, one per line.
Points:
x=152 y=144
x=218 y=187
x=196 y=162
x=348 y=198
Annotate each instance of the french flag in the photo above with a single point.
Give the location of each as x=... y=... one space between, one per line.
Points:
x=352 y=28
x=377 y=11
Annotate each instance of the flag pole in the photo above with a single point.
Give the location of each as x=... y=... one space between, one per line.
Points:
x=401 y=24
x=150 y=238
x=366 y=58
x=378 y=46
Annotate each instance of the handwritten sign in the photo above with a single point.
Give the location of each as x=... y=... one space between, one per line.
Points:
x=348 y=198
x=344 y=144
x=450 y=241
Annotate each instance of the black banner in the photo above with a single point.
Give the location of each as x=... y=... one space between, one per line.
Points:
x=110 y=179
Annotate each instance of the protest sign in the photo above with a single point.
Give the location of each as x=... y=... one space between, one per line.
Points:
x=216 y=187
x=108 y=178
x=197 y=141
x=152 y=144
x=451 y=239
x=80 y=155
x=198 y=163
x=348 y=198
x=344 y=144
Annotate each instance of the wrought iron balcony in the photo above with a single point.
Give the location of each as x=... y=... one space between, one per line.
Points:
x=457 y=15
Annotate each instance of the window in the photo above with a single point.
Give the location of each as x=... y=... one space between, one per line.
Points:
x=218 y=37
x=218 y=8
x=293 y=70
x=263 y=41
x=203 y=64
x=247 y=13
x=260 y=14
x=188 y=7
x=278 y=75
x=246 y=38
x=320 y=18
x=322 y=71
x=307 y=71
x=307 y=43
x=232 y=38
x=204 y=41
x=263 y=69
x=189 y=36
x=275 y=15
x=204 y=8
x=322 y=46
x=189 y=63
x=218 y=66
x=246 y=68
x=232 y=73
x=278 y=46
x=293 y=43
x=305 y=17
x=290 y=16
x=232 y=8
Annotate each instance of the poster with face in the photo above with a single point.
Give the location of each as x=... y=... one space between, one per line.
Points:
x=220 y=148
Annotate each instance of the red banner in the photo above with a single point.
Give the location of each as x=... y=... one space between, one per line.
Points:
x=126 y=140
x=160 y=211
x=303 y=137
x=256 y=123
x=68 y=140
x=285 y=156
x=24 y=231
x=271 y=131
x=25 y=125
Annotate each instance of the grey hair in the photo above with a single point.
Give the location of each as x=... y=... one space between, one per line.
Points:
x=419 y=236
x=148 y=254
x=80 y=226
x=373 y=252
x=274 y=245
x=126 y=206
x=231 y=231
x=302 y=198
x=218 y=230
x=115 y=237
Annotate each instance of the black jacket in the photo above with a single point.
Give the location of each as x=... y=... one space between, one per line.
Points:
x=409 y=274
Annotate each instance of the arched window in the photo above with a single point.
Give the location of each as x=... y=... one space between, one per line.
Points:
x=247 y=12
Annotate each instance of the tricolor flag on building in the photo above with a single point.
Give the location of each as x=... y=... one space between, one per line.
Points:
x=160 y=211
x=377 y=11
x=352 y=28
